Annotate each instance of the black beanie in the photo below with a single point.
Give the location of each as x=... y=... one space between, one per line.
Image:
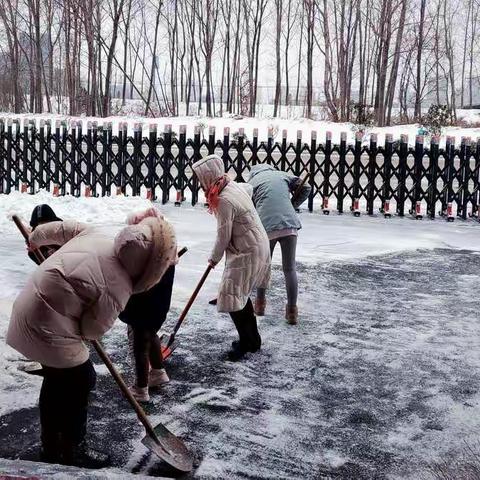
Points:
x=42 y=214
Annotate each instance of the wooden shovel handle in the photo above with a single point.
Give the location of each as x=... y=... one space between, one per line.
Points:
x=190 y=303
x=18 y=222
x=126 y=392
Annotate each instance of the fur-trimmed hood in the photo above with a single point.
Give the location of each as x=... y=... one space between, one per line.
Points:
x=146 y=250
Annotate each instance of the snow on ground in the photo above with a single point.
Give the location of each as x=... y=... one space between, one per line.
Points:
x=380 y=377
x=290 y=125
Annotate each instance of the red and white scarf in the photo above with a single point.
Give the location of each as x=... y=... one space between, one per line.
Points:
x=214 y=191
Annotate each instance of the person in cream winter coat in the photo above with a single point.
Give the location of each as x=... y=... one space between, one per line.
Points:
x=76 y=295
x=244 y=242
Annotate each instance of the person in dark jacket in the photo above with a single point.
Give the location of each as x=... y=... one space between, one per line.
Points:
x=145 y=314
x=272 y=196
x=43 y=214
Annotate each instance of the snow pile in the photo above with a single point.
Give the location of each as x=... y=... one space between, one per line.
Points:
x=90 y=210
x=235 y=123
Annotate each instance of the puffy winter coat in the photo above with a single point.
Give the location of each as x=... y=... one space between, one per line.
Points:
x=79 y=291
x=272 y=197
x=240 y=235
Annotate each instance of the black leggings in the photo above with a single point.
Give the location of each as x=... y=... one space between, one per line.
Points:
x=246 y=325
x=64 y=402
x=147 y=350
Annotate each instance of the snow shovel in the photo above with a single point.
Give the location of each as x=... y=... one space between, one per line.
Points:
x=167 y=348
x=158 y=440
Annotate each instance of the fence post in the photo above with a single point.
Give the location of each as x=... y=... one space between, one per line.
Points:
x=226 y=146
x=167 y=161
x=387 y=175
x=402 y=173
x=49 y=156
x=466 y=174
x=151 y=163
x=137 y=148
x=327 y=167
x=108 y=158
x=269 y=148
x=182 y=160
x=255 y=159
x=432 y=188
x=417 y=174
x=196 y=156
x=240 y=157
x=211 y=140
x=24 y=138
x=298 y=155
x=9 y=153
x=357 y=164
x=341 y=171
x=4 y=173
x=475 y=196
x=79 y=150
x=283 y=151
x=372 y=164
x=450 y=147
x=41 y=154
x=123 y=145
x=91 y=136
x=312 y=168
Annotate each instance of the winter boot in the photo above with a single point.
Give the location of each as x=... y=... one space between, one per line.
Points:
x=260 y=305
x=85 y=457
x=158 y=376
x=291 y=314
x=255 y=341
x=51 y=451
x=140 y=393
x=236 y=353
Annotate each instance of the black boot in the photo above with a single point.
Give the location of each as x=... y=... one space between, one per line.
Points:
x=237 y=352
x=81 y=455
x=51 y=450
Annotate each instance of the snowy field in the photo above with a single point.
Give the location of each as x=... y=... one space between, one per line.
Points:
x=380 y=379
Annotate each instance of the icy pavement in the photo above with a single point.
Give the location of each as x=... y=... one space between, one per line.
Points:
x=378 y=380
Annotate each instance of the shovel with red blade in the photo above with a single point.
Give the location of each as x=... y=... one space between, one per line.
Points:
x=167 y=345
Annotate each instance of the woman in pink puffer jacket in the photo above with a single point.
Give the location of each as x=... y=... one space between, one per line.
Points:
x=77 y=294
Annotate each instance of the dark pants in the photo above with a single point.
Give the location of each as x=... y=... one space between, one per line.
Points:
x=288 y=245
x=63 y=404
x=148 y=351
x=246 y=325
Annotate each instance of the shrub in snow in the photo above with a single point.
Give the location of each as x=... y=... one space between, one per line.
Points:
x=202 y=126
x=275 y=129
x=437 y=117
x=363 y=117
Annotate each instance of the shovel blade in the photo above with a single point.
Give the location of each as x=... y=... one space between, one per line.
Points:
x=166 y=350
x=170 y=449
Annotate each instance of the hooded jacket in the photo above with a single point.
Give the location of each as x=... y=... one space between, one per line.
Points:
x=79 y=291
x=272 y=191
x=240 y=236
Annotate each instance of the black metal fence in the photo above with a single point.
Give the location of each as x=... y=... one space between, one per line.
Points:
x=358 y=177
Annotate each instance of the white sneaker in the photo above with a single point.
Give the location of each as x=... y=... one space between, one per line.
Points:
x=158 y=377
x=140 y=394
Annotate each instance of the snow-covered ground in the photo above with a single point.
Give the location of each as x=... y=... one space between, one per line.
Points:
x=379 y=379
x=291 y=125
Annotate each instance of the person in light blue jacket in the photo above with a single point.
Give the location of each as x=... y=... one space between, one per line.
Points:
x=272 y=196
